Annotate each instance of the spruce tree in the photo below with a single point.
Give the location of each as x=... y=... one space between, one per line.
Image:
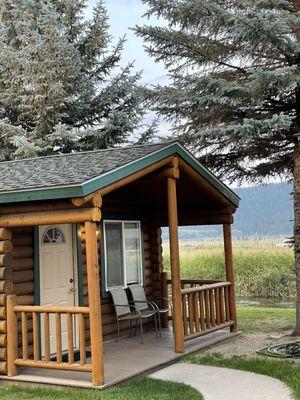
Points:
x=234 y=92
x=61 y=86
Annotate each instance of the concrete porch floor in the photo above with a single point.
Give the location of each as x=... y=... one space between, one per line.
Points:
x=123 y=360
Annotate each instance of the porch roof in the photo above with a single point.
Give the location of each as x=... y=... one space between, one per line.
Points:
x=79 y=174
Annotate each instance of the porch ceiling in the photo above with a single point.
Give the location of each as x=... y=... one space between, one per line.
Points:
x=198 y=200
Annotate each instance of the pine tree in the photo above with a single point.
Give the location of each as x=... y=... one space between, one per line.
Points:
x=234 y=95
x=61 y=85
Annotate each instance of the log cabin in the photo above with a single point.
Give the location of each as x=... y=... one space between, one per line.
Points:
x=74 y=225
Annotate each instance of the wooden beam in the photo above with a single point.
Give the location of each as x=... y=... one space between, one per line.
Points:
x=5 y=234
x=36 y=207
x=230 y=274
x=12 y=336
x=95 y=198
x=51 y=217
x=135 y=176
x=175 y=267
x=94 y=303
x=195 y=219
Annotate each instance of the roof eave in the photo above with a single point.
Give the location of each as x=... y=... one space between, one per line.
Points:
x=80 y=190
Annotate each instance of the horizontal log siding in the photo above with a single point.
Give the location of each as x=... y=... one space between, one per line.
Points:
x=6 y=288
x=156 y=260
x=108 y=315
x=17 y=277
x=23 y=277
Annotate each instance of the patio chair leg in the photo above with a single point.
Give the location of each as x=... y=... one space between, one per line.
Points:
x=155 y=324
x=118 y=330
x=159 y=324
x=142 y=335
x=135 y=328
x=130 y=326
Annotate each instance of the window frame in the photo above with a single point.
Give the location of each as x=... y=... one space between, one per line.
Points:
x=55 y=243
x=141 y=248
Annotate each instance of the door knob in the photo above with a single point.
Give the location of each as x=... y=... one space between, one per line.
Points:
x=71 y=280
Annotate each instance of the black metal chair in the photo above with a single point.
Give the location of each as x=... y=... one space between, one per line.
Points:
x=127 y=312
x=140 y=301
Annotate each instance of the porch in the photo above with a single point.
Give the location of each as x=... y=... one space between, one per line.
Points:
x=123 y=360
x=206 y=317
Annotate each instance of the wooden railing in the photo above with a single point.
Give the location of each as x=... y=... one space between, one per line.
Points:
x=189 y=283
x=41 y=316
x=205 y=308
x=206 y=305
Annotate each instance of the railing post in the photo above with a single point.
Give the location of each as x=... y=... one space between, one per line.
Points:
x=94 y=303
x=174 y=262
x=229 y=274
x=12 y=336
x=164 y=294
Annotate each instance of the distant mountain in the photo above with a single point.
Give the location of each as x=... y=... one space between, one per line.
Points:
x=265 y=210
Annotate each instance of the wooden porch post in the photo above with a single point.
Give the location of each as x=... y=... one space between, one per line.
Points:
x=12 y=335
x=175 y=267
x=94 y=303
x=229 y=273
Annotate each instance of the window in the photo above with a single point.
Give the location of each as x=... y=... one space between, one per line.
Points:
x=123 y=258
x=53 y=235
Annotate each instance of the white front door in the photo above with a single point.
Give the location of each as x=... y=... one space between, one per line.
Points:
x=57 y=274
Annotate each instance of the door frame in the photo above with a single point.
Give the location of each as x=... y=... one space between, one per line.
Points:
x=77 y=263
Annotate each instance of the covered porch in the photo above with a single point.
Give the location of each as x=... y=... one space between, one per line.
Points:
x=167 y=187
x=124 y=360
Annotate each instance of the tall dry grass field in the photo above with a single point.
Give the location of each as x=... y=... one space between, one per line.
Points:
x=262 y=267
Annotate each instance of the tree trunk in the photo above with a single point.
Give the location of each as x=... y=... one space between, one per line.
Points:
x=296 y=174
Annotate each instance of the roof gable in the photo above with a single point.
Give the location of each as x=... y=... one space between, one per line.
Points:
x=78 y=174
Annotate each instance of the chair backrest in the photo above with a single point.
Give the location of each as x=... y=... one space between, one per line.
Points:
x=120 y=301
x=138 y=296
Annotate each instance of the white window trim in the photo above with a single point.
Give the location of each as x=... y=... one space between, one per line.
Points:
x=123 y=222
x=52 y=243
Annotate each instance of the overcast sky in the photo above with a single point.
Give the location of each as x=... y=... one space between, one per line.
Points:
x=125 y=14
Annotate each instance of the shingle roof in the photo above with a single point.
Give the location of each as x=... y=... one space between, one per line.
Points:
x=68 y=169
x=79 y=174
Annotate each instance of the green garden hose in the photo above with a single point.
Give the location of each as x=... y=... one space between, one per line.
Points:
x=283 y=350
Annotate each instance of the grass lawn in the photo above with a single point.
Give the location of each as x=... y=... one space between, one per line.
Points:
x=265 y=319
x=286 y=371
x=140 y=389
x=262 y=268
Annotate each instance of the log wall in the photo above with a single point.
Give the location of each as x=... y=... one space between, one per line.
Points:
x=156 y=261
x=23 y=275
x=17 y=276
x=152 y=268
x=6 y=288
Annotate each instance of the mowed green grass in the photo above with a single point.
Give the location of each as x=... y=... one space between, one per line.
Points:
x=262 y=267
x=140 y=389
x=286 y=371
x=265 y=319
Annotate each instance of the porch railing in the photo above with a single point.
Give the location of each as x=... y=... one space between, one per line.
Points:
x=34 y=317
x=205 y=309
x=205 y=306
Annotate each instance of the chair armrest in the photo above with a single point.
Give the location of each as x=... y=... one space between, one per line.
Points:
x=165 y=299
x=149 y=303
x=130 y=306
